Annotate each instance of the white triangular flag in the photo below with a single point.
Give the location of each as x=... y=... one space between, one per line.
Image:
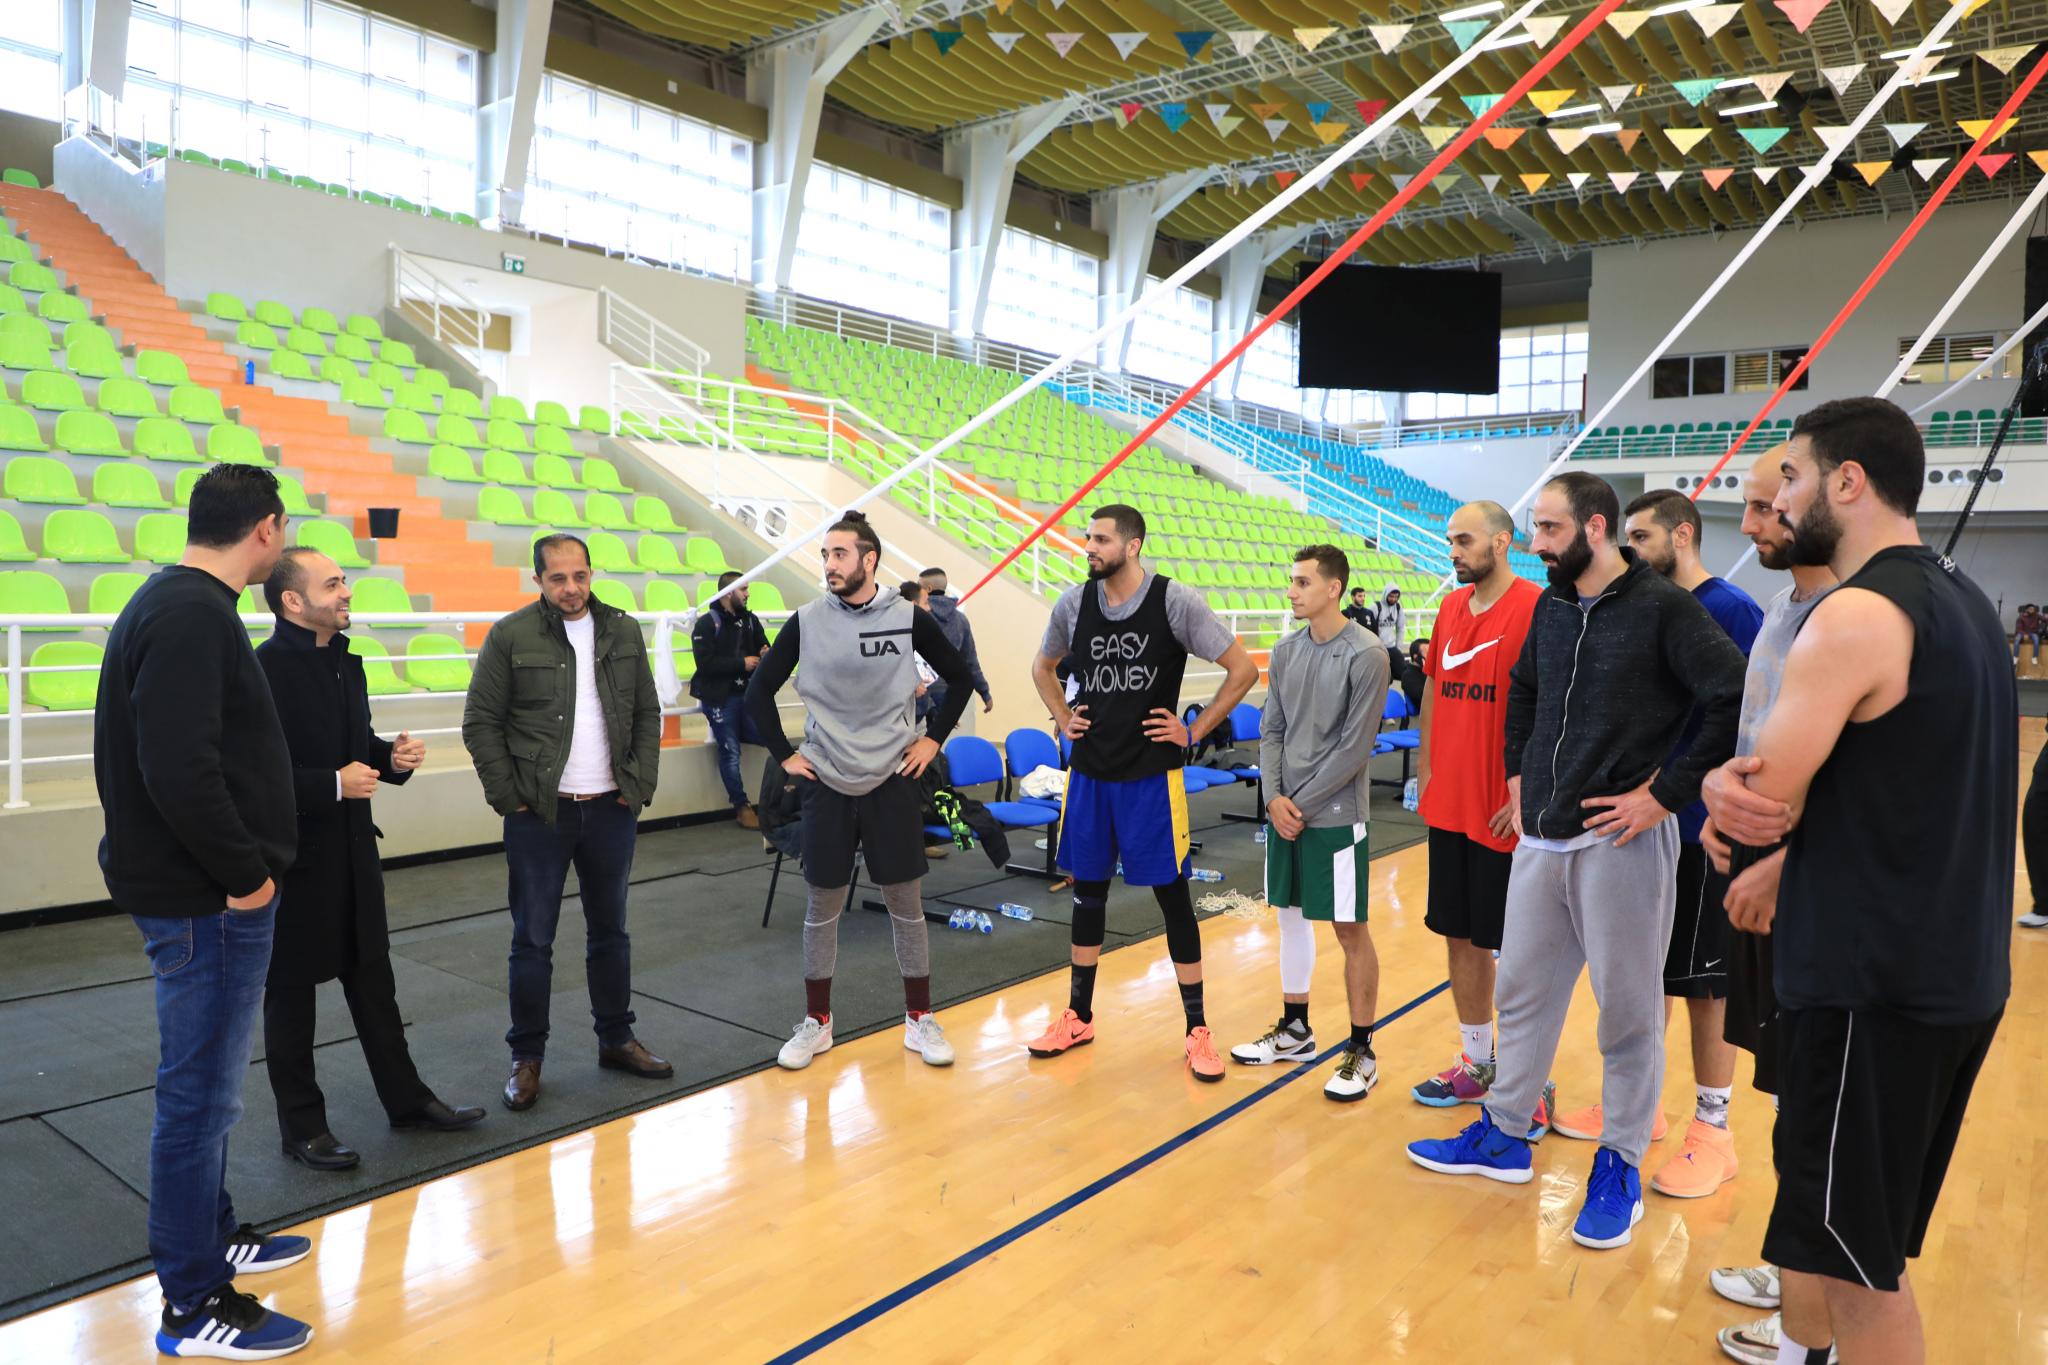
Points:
x=1770 y=83
x=1768 y=173
x=2005 y=58
x=1891 y=9
x=1615 y=94
x=1578 y=178
x=1627 y=21
x=1247 y=179
x=1401 y=181
x=1063 y=43
x=1832 y=137
x=1840 y=77
x=1713 y=18
x=1492 y=182
x=1621 y=180
x=1903 y=133
x=1424 y=107
x=1916 y=72
x=1388 y=36
x=1543 y=30
x=1217 y=113
x=1126 y=43
x=1275 y=127
x=1926 y=166
x=1668 y=178
x=953 y=7
x=1006 y=41
x=1446 y=180
x=1568 y=140
x=1245 y=39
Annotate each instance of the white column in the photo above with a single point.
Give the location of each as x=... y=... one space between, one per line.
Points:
x=1244 y=274
x=1131 y=215
x=984 y=159
x=504 y=125
x=789 y=80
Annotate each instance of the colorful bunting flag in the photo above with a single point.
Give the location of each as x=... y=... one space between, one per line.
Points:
x=1627 y=138
x=1768 y=173
x=1245 y=39
x=1696 y=91
x=1926 y=166
x=1713 y=18
x=1173 y=114
x=1438 y=134
x=1685 y=139
x=1193 y=40
x=1550 y=101
x=1312 y=38
x=1621 y=180
x=1668 y=178
x=1832 y=136
x=1992 y=165
x=1388 y=36
x=1615 y=94
x=1318 y=110
x=1533 y=181
x=1903 y=133
x=1006 y=41
x=1327 y=133
x=1839 y=78
x=1247 y=179
x=1717 y=176
x=1500 y=139
x=1871 y=171
x=1275 y=127
x=953 y=7
x=1892 y=9
x=1217 y=113
x=1464 y=32
x=946 y=38
x=1543 y=30
x=1801 y=12
x=1228 y=124
x=1285 y=178
x=1445 y=180
x=1128 y=111
x=1479 y=104
x=1057 y=3
x=1578 y=178
x=1761 y=140
x=1569 y=140
x=1063 y=43
x=1491 y=182
x=1973 y=128
x=1424 y=107
x=1126 y=43
x=1400 y=181
x=2040 y=160
x=1627 y=21
x=1003 y=6
x=1368 y=110
x=1264 y=111
x=1360 y=179
x=1770 y=83
x=2005 y=58
x=1916 y=72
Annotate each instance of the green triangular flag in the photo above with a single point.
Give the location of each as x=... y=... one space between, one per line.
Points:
x=1761 y=140
x=1465 y=31
x=1479 y=104
x=1695 y=91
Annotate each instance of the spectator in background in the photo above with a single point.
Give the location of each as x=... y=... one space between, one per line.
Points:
x=914 y=592
x=1392 y=624
x=1361 y=612
x=960 y=634
x=727 y=644
x=1413 y=678
x=2027 y=628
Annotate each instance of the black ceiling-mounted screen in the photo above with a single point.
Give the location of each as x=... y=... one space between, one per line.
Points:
x=1410 y=331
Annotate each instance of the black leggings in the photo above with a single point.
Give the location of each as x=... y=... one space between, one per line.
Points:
x=1183 y=933
x=2034 y=831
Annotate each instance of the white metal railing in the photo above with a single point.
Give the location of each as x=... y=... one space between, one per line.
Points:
x=645 y=340
x=1651 y=445
x=447 y=314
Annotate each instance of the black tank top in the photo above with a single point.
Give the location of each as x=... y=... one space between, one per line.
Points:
x=1898 y=884
x=1126 y=669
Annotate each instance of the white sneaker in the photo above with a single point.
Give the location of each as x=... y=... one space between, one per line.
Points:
x=808 y=1040
x=1754 y=1285
x=1357 y=1074
x=926 y=1038
x=1756 y=1343
x=1283 y=1044
x=2034 y=919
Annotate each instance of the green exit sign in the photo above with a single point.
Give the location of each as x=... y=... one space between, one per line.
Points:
x=514 y=265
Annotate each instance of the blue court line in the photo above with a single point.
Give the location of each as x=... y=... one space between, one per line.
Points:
x=932 y=1279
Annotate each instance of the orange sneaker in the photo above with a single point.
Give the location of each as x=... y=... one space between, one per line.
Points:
x=1586 y=1124
x=1067 y=1031
x=1702 y=1165
x=1202 y=1058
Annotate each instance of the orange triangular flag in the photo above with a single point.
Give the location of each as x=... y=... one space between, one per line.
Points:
x=2040 y=160
x=1627 y=138
x=1871 y=171
x=1264 y=111
x=1717 y=177
x=1500 y=139
x=1360 y=179
x=1801 y=12
x=1285 y=178
x=1534 y=181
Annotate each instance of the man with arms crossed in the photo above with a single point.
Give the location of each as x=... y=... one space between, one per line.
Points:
x=1891 y=919
x=1130 y=632
x=1326 y=687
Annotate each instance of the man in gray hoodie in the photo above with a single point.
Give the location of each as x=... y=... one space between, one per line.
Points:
x=961 y=632
x=857 y=770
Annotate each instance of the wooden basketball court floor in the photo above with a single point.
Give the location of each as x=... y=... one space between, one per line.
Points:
x=1105 y=1206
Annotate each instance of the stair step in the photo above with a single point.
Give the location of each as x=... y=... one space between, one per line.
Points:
x=457 y=554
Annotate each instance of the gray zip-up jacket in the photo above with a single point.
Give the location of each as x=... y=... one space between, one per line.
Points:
x=859 y=687
x=1601 y=693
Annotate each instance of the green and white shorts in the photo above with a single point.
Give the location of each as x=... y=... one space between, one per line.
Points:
x=1324 y=873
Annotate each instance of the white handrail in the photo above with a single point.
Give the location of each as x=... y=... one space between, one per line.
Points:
x=1657 y=445
x=451 y=316
x=644 y=339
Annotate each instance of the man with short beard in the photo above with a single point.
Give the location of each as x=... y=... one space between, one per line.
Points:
x=1617 y=658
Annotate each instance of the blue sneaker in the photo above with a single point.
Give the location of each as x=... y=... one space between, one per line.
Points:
x=1614 y=1203
x=231 y=1326
x=1481 y=1149
x=249 y=1252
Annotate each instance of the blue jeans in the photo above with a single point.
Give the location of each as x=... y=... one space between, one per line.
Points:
x=727 y=721
x=596 y=837
x=209 y=991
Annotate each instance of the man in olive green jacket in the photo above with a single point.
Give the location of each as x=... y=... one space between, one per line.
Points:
x=564 y=727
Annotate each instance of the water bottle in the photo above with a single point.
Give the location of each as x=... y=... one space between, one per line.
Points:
x=979 y=922
x=1409 y=797
x=1259 y=835
x=958 y=920
x=249 y=373
x=1205 y=874
x=1012 y=910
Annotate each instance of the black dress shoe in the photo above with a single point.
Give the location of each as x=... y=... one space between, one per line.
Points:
x=635 y=1060
x=323 y=1153
x=441 y=1118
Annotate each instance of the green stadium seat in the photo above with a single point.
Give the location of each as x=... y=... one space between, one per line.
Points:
x=110 y=591
x=26 y=325
x=506 y=408
x=14 y=249
x=502 y=507
x=251 y=603
x=382 y=678
x=70 y=691
x=657 y=554
x=338 y=369
x=552 y=413
x=602 y=474
x=333 y=540
x=321 y=321
x=702 y=555
x=354 y=348
x=414 y=398
x=160 y=438
x=31 y=592
x=38 y=478
x=665 y=594
x=79 y=535
x=502 y=466
x=191 y=403
x=370 y=197
x=396 y=353
x=88 y=433
x=374 y=594
x=28 y=353
x=552 y=471
x=232 y=444
x=551 y=507
x=363 y=393
x=595 y=419
x=51 y=392
x=364 y=326
x=11 y=300
x=58 y=307
x=94 y=361
x=228 y=163
x=305 y=341
x=14 y=175
x=127 y=485
x=385 y=376
x=32 y=275
x=765 y=597
x=292 y=492
x=602 y=509
x=87 y=334
x=608 y=554
x=434 y=661
x=160 y=537
x=226 y=307
x=452 y=463
x=160 y=367
x=271 y=313
x=13 y=544
x=651 y=514
x=460 y=402
x=458 y=431
x=507 y=435
x=401 y=425
x=257 y=336
x=613 y=593
x=553 y=440
x=197 y=157
x=18 y=429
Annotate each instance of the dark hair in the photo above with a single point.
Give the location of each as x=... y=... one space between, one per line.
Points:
x=725 y=580
x=1876 y=434
x=1330 y=561
x=555 y=541
x=287 y=576
x=1670 y=509
x=864 y=536
x=228 y=502
x=910 y=589
x=1130 y=522
x=939 y=574
x=1591 y=496
x=1356 y=591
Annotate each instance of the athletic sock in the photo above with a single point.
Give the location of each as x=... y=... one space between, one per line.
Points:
x=1295 y=1012
x=818 y=998
x=1191 y=1002
x=1081 y=994
x=1791 y=1352
x=1476 y=1041
x=1710 y=1103
x=1361 y=1038
x=917 y=996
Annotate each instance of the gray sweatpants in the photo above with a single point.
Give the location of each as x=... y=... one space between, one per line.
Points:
x=1610 y=910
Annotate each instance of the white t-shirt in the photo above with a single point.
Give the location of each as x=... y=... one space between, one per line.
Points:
x=589 y=769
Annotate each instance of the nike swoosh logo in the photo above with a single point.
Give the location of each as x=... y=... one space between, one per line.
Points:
x=1460 y=660
x=1715 y=963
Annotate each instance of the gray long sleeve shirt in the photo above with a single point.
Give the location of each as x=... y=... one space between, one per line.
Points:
x=1323 y=706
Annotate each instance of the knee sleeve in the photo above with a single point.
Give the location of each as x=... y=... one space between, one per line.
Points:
x=821 y=931
x=1183 y=935
x=1091 y=913
x=905 y=901
x=1297 y=951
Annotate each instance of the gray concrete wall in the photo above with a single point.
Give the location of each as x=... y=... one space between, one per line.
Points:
x=127 y=205
x=28 y=143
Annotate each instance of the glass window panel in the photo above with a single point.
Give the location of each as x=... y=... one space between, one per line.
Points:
x=1709 y=373
x=1546 y=367
x=340 y=98
x=1786 y=360
x=215 y=128
x=449 y=72
x=445 y=130
x=29 y=84
x=394 y=53
x=1514 y=343
x=328 y=156
x=1481 y=404
x=1514 y=371
x=37 y=23
x=612 y=119
x=338 y=36
x=278 y=23
x=1671 y=377
x=224 y=16
x=278 y=80
x=211 y=63
x=393 y=112
x=153 y=46
x=1753 y=373
x=278 y=141
x=1543 y=398
x=144 y=113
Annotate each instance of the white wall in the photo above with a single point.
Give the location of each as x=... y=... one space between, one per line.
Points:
x=556 y=353
x=1785 y=296
x=127 y=206
x=1499 y=471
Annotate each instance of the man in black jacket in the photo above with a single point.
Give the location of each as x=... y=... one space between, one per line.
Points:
x=1617 y=657
x=333 y=925
x=727 y=643
x=196 y=786
x=945 y=609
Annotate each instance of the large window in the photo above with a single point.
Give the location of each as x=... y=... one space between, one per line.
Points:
x=30 y=40
x=1949 y=358
x=309 y=88
x=1542 y=369
x=1699 y=376
x=872 y=245
x=1043 y=296
x=1268 y=373
x=636 y=178
x=1171 y=340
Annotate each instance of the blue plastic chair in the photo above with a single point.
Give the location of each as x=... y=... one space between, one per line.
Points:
x=974 y=762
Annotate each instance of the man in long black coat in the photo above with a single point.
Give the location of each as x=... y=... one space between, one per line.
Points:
x=330 y=921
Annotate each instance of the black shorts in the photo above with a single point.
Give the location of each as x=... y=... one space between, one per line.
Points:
x=886 y=824
x=1752 y=1022
x=1696 y=964
x=1468 y=888
x=1867 y=1121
